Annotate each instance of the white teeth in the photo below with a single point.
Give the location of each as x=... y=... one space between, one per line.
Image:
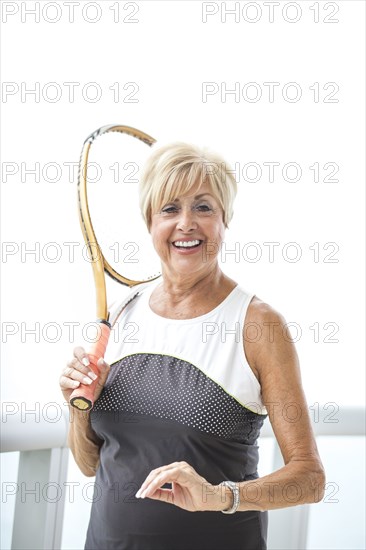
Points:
x=186 y=244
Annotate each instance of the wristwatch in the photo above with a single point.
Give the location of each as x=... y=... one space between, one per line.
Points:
x=236 y=495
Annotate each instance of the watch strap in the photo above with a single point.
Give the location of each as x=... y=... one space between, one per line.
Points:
x=236 y=496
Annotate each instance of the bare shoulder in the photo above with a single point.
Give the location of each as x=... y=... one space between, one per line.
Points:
x=267 y=341
x=261 y=312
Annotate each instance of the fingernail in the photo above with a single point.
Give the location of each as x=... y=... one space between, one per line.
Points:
x=86 y=361
x=87 y=380
x=76 y=384
x=92 y=375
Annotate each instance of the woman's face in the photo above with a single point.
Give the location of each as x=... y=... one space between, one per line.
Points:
x=186 y=220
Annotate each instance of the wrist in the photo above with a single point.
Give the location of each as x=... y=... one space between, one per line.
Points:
x=78 y=416
x=224 y=498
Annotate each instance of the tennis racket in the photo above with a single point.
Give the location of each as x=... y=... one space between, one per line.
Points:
x=82 y=398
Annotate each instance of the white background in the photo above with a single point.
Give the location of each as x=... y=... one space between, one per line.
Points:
x=169 y=53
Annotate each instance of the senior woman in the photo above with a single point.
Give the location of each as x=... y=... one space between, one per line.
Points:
x=172 y=438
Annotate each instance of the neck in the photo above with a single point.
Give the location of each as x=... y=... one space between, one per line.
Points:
x=176 y=287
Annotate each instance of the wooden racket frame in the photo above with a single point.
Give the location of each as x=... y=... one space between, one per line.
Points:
x=83 y=397
x=99 y=264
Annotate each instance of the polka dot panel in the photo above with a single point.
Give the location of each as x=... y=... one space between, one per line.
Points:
x=171 y=388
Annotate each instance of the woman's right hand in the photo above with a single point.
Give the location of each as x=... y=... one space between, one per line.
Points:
x=78 y=372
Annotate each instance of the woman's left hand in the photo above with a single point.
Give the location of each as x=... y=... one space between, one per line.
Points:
x=189 y=491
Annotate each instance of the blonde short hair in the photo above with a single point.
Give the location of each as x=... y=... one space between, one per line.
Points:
x=174 y=169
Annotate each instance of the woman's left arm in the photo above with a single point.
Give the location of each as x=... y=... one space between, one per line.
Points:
x=274 y=361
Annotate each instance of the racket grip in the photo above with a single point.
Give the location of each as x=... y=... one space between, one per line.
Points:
x=83 y=397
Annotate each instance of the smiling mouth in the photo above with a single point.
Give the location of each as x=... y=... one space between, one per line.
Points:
x=187 y=244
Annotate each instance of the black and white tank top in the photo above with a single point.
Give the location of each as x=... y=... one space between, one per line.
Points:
x=177 y=390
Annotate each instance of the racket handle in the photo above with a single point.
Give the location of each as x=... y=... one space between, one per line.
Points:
x=83 y=397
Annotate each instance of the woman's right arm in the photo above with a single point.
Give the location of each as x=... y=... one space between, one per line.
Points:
x=83 y=441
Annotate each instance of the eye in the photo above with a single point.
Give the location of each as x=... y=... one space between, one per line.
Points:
x=169 y=209
x=203 y=208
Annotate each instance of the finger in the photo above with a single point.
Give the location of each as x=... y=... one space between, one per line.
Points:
x=103 y=366
x=78 y=365
x=104 y=369
x=164 y=495
x=68 y=384
x=74 y=374
x=75 y=364
x=82 y=356
x=157 y=479
x=166 y=467
x=154 y=473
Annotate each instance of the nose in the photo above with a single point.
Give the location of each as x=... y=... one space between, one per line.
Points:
x=186 y=221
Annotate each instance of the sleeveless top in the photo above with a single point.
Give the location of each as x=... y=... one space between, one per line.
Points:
x=178 y=390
